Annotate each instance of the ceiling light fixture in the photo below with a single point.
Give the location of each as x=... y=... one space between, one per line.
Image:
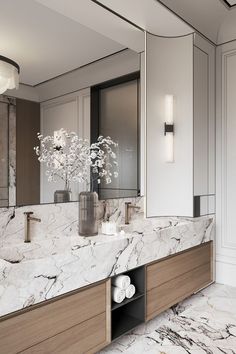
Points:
x=9 y=74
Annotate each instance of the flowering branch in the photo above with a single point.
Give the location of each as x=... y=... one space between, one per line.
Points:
x=70 y=158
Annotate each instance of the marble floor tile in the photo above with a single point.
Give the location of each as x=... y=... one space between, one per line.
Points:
x=203 y=324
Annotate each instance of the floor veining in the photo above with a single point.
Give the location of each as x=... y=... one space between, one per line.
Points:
x=204 y=323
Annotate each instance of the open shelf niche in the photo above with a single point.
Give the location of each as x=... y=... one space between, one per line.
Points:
x=131 y=312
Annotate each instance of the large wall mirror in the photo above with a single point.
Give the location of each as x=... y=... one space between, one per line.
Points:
x=90 y=89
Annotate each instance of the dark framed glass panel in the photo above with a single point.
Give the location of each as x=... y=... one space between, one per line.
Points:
x=115 y=113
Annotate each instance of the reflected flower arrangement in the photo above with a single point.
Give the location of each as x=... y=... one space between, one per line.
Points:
x=72 y=159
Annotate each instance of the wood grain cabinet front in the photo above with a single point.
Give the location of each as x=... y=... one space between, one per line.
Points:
x=87 y=337
x=173 y=279
x=74 y=323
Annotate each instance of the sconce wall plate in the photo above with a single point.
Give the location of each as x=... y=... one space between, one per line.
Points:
x=168 y=128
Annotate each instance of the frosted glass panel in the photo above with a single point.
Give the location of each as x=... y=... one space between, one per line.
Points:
x=118 y=118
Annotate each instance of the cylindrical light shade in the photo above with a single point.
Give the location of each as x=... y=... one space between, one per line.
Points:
x=169 y=136
x=9 y=74
x=169 y=140
x=169 y=108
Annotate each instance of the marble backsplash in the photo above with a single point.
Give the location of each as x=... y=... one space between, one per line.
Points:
x=57 y=220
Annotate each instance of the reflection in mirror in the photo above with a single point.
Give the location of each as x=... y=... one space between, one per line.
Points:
x=68 y=159
x=4 y=163
x=115 y=113
x=27 y=166
x=7 y=151
x=99 y=97
x=114 y=107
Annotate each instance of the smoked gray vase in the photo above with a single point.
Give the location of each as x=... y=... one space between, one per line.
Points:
x=88 y=206
x=62 y=196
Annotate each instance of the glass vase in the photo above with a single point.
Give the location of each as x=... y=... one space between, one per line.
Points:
x=63 y=195
x=88 y=207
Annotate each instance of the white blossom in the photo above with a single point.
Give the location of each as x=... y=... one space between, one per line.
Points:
x=71 y=158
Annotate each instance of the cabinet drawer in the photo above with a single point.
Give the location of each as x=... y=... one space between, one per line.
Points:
x=87 y=337
x=42 y=322
x=163 y=271
x=177 y=289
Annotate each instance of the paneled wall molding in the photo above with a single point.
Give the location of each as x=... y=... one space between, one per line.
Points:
x=75 y=108
x=225 y=164
x=225 y=259
x=204 y=121
x=226 y=240
x=225 y=272
x=201 y=121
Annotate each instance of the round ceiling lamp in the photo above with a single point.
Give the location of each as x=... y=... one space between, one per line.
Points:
x=9 y=74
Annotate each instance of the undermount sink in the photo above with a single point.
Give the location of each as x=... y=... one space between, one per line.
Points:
x=127 y=228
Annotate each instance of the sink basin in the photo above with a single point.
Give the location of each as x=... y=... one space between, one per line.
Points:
x=127 y=228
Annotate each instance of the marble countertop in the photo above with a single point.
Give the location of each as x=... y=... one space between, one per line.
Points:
x=51 y=266
x=16 y=251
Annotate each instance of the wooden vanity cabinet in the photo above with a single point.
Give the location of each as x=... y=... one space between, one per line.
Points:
x=173 y=279
x=77 y=323
x=80 y=322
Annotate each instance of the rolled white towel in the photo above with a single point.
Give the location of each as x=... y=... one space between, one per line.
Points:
x=130 y=291
x=121 y=281
x=118 y=294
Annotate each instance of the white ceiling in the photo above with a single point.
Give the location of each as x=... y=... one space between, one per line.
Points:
x=50 y=37
x=45 y=43
x=95 y=17
x=149 y=15
x=213 y=18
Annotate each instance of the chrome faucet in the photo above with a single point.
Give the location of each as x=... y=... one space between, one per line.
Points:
x=129 y=206
x=29 y=218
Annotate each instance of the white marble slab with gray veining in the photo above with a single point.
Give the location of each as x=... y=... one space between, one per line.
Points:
x=58 y=260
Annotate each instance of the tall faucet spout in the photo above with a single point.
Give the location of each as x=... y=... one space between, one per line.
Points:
x=29 y=218
x=34 y=219
x=129 y=206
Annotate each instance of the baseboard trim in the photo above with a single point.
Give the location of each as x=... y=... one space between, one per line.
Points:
x=225 y=273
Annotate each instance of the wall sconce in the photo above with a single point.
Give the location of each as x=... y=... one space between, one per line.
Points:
x=169 y=127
